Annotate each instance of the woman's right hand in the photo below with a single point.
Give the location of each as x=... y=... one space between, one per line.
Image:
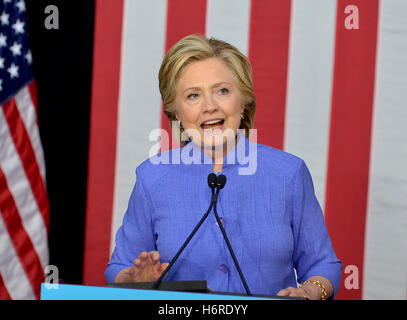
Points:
x=146 y=268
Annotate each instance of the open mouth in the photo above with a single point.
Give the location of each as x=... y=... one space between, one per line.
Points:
x=212 y=124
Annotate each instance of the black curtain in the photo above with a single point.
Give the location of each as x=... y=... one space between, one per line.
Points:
x=62 y=66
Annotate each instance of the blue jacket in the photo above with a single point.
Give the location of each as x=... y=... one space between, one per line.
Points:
x=268 y=208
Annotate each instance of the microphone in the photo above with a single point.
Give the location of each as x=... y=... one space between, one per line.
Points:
x=220 y=183
x=212 y=182
x=212 y=178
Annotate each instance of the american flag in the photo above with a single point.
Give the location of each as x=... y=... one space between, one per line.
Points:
x=329 y=92
x=24 y=210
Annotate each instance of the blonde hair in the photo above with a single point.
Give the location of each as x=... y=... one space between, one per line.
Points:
x=194 y=48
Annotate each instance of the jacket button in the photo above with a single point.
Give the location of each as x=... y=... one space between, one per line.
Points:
x=222 y=221
x=223 y=268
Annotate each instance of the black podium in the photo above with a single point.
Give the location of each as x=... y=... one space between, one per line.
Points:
x=199 y=286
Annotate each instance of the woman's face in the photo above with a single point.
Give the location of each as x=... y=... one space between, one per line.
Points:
x=209 y=103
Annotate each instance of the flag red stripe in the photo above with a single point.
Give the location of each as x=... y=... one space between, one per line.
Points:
x=19 y=237
x=103 y=134
x=268 y=53
x=26 y=153
x=350 y=135
x=184 y=17
x=32 y=88
x=4 y=295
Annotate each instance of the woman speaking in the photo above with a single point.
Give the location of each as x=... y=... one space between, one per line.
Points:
x=267 y=207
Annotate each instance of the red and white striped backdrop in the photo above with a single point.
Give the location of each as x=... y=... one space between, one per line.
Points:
x=333 y=96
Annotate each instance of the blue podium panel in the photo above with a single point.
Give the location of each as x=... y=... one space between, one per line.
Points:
x=79 y=292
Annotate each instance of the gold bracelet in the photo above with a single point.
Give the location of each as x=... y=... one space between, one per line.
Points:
x=320 y=285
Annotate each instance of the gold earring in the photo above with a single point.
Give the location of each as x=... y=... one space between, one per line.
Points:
x=242 y=115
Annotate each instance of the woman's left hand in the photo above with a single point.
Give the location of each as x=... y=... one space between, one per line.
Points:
x=302 y=292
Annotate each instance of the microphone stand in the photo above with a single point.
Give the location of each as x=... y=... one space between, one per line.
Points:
x=214 y=199
x=217 y=182
x=221 y=181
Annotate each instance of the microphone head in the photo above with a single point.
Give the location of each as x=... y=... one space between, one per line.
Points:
x=212 y=180
x=220 y=181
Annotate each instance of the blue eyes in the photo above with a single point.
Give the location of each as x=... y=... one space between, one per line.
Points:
x=222 y=91
x=192 y=96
